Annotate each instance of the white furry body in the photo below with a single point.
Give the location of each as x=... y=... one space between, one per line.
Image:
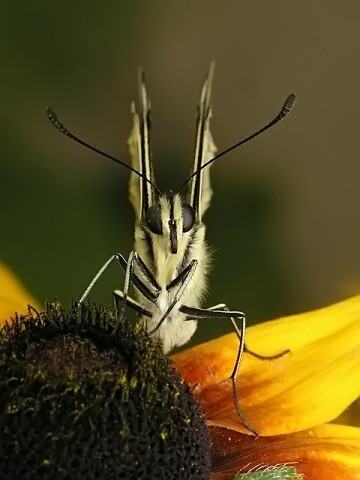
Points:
x=176 y=239
x=166 y=266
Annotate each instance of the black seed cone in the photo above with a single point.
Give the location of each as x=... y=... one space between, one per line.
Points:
x=78 y=402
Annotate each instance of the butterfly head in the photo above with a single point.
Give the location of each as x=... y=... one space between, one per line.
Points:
x=169 y=222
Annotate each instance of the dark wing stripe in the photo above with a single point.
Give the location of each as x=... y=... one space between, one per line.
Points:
x=204 y=112
x=146 y=193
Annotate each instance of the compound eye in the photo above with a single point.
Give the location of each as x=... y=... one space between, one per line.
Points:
x=188 y=217
x=153 y=219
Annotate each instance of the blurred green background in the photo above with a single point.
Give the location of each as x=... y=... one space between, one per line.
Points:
x=284 y=220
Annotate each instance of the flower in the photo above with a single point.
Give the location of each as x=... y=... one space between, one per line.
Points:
x=288 y=400
x=82 y=399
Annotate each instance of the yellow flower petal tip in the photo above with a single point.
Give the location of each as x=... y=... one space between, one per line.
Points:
x=13 y=295
x=309 y=386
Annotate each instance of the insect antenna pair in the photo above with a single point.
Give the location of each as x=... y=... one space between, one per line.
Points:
x=169 y=263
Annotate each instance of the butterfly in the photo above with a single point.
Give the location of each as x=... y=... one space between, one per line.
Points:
x=169 y=263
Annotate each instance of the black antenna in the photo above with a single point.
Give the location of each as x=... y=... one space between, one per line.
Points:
x=286 y=108
x=55 y=120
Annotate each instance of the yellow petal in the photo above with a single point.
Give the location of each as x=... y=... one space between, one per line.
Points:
x=311 y=385
x=13 y=295
x=328 y=452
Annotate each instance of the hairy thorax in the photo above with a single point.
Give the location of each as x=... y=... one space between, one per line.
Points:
x=166 y=267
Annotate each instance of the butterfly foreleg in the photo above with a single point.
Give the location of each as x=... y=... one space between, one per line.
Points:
x=183 y=280
x=131 y=303
x=96 y=277
x=135 y=280
x=118 y=297
x=131 y=277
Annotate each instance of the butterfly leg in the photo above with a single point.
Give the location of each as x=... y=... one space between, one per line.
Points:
x=96 y=278
x=120 y=300
x=266 y=357
x=183 y=279
x=222 y=306
x=135 y=259
x=221 y=311
x=131 y=303
x=135 y=279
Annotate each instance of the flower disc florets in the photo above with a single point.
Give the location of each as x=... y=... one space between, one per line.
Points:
x=78 y=401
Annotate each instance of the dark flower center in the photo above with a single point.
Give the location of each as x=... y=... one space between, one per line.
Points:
x=80 y=402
